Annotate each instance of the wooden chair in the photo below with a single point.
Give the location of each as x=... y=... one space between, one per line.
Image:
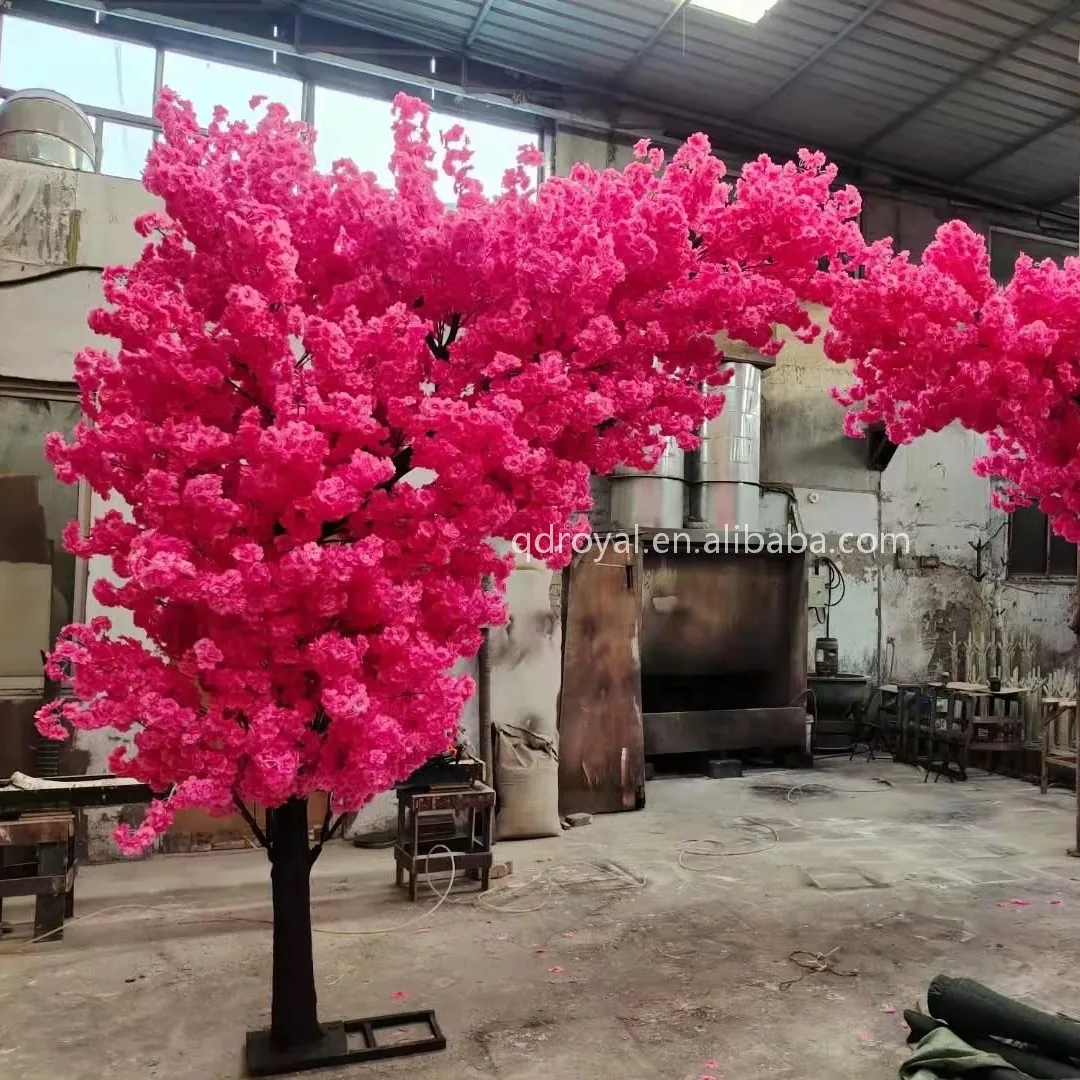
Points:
x=1057 y=739
x=876 y=722
x=953 y=713
x=914 y=705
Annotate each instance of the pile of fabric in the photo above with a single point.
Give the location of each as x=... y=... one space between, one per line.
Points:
x=970 y=1031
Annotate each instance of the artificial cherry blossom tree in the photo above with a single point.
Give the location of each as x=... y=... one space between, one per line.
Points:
x=291 y=347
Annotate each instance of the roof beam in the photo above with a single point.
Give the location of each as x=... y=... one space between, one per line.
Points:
x=1063 y=13
x=478 y=23
x=1006 y=152
x=654 y=37
x=1062 y=197
x=819 y=54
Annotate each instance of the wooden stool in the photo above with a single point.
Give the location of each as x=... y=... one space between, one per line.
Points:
x=51 y=875
x=437 y=806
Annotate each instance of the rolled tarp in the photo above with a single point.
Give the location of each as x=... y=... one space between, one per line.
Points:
x=974 y=1010
x=1029 y=1064
x=942 y=1053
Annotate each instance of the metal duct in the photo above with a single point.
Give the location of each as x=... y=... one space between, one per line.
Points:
x=46 y=128
x=653 y=499
x=724 y=480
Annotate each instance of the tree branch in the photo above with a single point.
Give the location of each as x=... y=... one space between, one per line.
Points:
x=253 y=825
x=440 y=346
x=402 y=462
x=327 y=832
x=240 y=390
x=264 y=409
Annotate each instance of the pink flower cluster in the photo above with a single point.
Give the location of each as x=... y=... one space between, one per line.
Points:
x=940 y=342
x=293 y=346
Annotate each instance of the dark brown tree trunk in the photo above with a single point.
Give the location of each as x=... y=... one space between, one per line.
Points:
x=294 y=1020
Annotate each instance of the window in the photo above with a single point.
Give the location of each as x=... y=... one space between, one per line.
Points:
x=124 y=149
x=89 y=68
x=1006 y=247
x=495 y=149
x=354 y=127
x=206 y=84
x=350 y=126
x=1034 y=549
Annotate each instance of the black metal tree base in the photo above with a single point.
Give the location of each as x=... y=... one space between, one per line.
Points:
x=265 y=1059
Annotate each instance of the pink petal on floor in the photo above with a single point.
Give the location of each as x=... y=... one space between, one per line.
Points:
x=866 y=1036
x=1020 y=903
x=539 y=948
x=555 y=971
x=890 y=1010
x=706 y=1078
x=1056 y=903
x=399 y=995
x=710 y=1065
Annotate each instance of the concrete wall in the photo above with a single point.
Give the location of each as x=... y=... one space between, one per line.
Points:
x=907 y=601
x=56 y=220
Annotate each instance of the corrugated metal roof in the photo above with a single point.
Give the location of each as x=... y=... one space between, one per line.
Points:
x=973 y=96
x=979 y=91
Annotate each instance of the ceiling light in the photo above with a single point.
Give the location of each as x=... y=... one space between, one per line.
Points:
x=747 y=11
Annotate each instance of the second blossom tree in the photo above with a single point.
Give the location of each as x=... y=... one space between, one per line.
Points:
x=938 y=341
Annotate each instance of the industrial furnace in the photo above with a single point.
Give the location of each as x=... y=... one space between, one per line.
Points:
x=723 y=648
x=691 y=638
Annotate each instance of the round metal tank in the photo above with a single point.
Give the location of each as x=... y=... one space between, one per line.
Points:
x=724 y=491
x=47 y=128
x=650 y=499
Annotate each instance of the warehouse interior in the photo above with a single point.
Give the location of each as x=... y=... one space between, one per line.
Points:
x=704 y=705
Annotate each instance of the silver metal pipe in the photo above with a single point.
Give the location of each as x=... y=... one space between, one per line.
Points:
x=725 y=472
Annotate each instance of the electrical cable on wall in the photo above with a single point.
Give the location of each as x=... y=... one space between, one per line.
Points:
x=59 y=271
x=826 y=649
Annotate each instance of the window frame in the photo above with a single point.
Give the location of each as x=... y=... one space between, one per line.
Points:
x=1039 y=575
x=363 y=80
x=98 y=32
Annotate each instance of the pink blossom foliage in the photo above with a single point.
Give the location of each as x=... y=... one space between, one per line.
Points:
x=292 y=345
x=940 y=342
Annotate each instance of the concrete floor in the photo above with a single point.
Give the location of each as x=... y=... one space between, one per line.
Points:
x=587 y=974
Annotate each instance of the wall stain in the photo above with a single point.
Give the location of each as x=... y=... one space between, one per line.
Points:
x=522 y=637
